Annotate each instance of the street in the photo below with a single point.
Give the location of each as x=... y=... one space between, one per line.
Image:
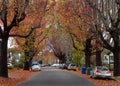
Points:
x=56 y=77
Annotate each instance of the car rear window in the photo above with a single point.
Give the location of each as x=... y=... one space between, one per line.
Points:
x=35 y=64
x=72 y=64
x=99 y=67
x=104 y=69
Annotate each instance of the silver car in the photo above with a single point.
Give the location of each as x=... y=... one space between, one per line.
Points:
x=36 y=67
x=101 y=72
x=72 y=67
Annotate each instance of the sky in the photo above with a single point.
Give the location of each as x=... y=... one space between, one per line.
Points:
x=11 y=43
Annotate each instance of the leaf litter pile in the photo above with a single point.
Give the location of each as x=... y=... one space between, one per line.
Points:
x=16 y=77
x=97 y=82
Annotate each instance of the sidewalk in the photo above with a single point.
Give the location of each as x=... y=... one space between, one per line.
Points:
x=97 y=82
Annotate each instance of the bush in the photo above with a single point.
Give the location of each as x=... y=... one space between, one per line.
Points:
x=19 y=64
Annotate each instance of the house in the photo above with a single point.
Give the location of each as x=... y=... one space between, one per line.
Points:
x=107 y=57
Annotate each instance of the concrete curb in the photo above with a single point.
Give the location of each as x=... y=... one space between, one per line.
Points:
x=115 y=79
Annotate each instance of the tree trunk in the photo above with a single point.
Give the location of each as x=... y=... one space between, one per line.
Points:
x=116 y=54
x=87 y=59
x=88 y=52
x=3 y=57
x=98 y=58
x=26 y=65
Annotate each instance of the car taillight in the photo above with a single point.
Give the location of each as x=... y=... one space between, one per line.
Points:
x=98 y=71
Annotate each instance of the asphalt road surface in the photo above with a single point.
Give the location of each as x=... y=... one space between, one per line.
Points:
x=56 y=77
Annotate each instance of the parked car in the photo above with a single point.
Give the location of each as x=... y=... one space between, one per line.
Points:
x=72 y=67
x=101 y=72
x=43 y=65
x=36 y=67
x=65 y=66
x=60 y=65
x=55 y=65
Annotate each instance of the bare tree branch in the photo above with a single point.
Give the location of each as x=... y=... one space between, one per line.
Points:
x=16 y=19
x=27 y=35
x=99 y=13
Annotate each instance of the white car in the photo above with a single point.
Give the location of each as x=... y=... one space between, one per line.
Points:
x=36 y=67
x=55 y=65
x=72 y=67
x=101 y=72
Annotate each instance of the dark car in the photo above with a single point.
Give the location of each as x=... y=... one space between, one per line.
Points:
x=65 y=66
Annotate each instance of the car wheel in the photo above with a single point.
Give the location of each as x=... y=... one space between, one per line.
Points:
x=75 y=70
x=90 y=76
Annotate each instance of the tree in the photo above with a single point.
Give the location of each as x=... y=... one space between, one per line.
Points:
x=61 y=44
x=31 y=46
x=108 y=20
x=14 y=13
x=58 y=39
x=35 y=25
x=77 y=25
